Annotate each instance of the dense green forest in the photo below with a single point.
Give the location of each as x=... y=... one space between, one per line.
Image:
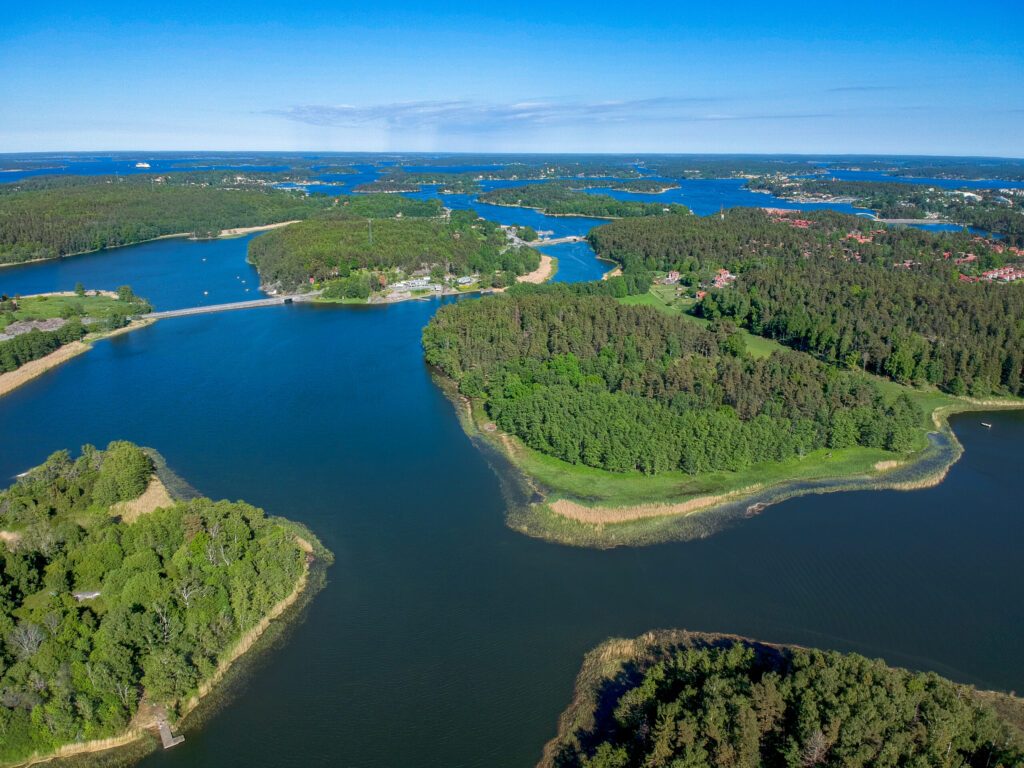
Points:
x=64 y=215
x=817 y=290
x=893 y=200
x=689 y=701
x=176 y=589
x=327 y=248
x=560 y=199
x=588 y=380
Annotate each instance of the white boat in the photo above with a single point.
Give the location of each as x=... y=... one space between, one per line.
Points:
x=142 y=165
x=986 y=424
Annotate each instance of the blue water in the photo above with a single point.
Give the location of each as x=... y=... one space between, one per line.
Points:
x=172 y=273
x=444 y=638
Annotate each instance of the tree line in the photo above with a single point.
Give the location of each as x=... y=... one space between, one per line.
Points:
x=46 y=219
x=892 y=305
x=562 y=199
x=590 y=381
x=176 y=589
x=336 y=247
x=738 y=704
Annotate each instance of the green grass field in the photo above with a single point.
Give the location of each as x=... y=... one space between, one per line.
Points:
x=663 y=298
x=46 y=307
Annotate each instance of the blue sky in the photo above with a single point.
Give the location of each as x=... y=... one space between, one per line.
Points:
x=899 y=77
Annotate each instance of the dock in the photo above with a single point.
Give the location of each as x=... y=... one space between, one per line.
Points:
x=166 y=736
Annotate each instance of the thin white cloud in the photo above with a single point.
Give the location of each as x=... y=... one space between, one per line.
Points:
x=473 y=114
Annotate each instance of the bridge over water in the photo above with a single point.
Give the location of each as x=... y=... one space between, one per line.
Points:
x=267 y=302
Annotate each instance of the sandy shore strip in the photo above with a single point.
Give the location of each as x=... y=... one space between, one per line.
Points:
x=605 y=515
x=239 y=231
x=11 y=380
x=612 y=273
x=541 y=273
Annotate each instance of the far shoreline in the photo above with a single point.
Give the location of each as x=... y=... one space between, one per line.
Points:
x=225 y=234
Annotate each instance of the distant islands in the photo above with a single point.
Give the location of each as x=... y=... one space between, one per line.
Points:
x=561 y=199
x=122 y=605
x=991 y=210
x=677 y=698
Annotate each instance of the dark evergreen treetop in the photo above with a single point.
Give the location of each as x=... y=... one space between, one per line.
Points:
x=588 y=380
x=689 y=701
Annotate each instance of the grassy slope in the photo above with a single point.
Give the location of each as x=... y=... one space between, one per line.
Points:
x=663 y=298
x=46 y=307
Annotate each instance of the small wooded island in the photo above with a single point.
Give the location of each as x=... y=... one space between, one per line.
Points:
x=676 y=699
x=630 y=410
x=389 y=247
x=120 y=605
x=568 y=199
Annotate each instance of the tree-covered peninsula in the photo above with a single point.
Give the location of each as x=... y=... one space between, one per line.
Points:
x=676 y=699
x=353 y=255
x=48 y=217
x=562 y=199
x=117 y=601
x=918 y=307
x=628 y=420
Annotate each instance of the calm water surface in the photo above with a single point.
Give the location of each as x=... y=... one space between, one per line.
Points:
x=444 y=639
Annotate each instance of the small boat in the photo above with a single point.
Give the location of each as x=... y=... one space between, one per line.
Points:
x=142 y=165
x=986 y=424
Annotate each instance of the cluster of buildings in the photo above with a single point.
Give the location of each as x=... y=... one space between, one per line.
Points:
x=1004 y=274
x=723 y=278
x=781 y=216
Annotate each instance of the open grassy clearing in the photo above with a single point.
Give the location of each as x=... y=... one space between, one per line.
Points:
x=45 y=307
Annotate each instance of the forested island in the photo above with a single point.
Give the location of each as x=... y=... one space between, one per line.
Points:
x=673 y=698
x=46 y=329
x=120 y=604
x=993 y=210
x=562 y=199
x=350 y=256
x=48 y=217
